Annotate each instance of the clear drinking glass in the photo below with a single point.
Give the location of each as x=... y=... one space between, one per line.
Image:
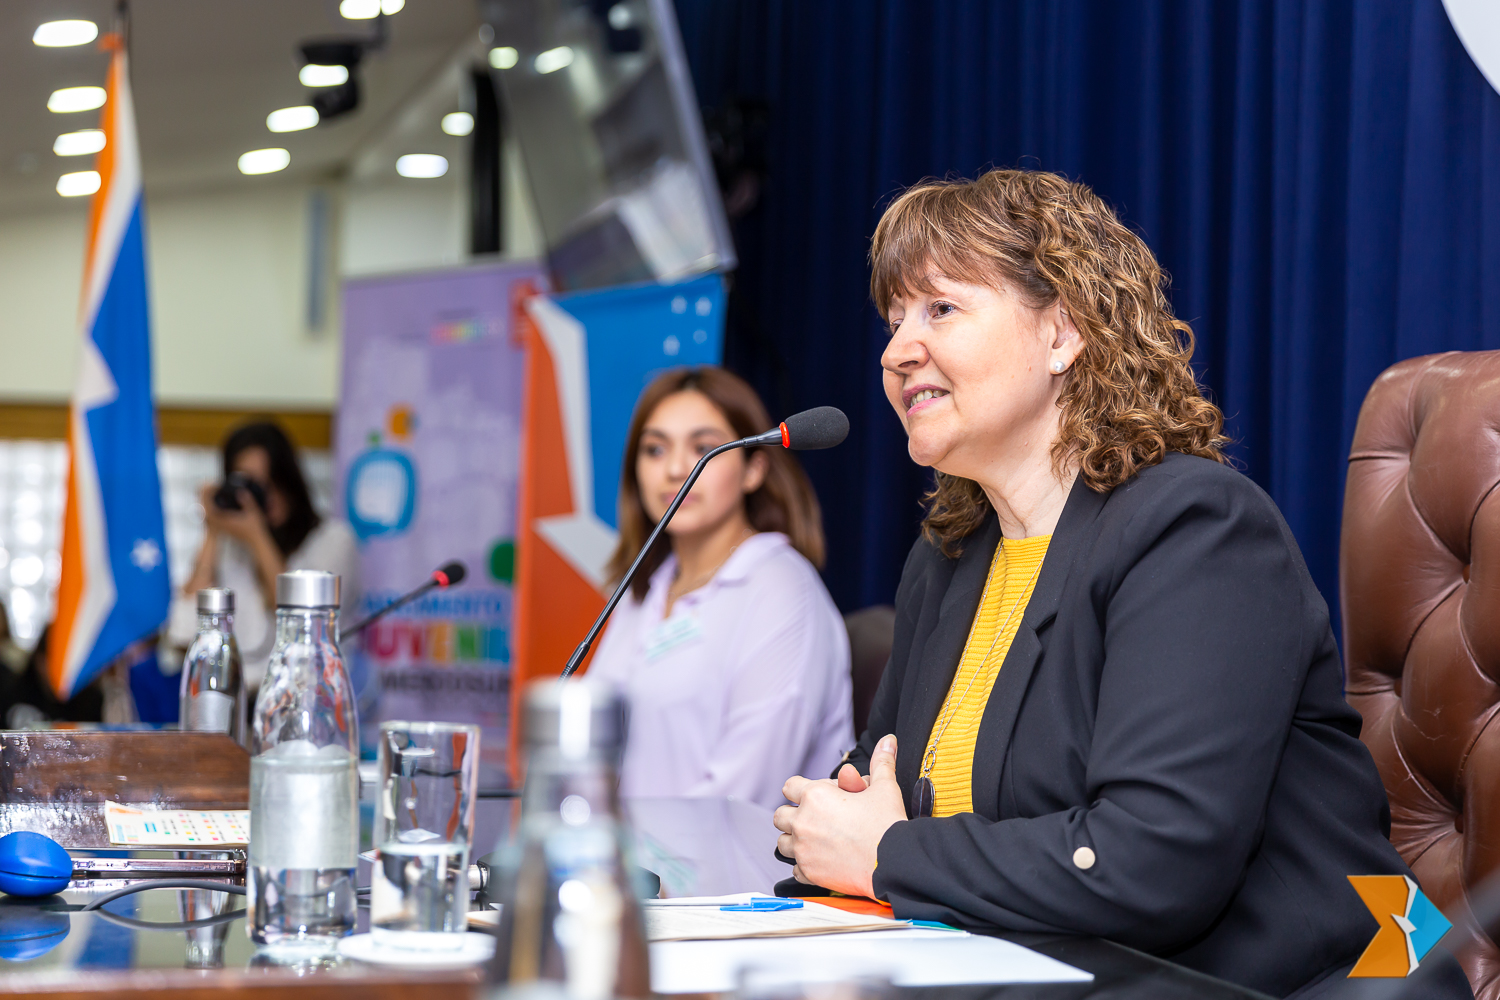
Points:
x=304 y=782
x=424 y=826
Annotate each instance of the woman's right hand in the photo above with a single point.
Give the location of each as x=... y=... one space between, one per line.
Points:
x=833 y=832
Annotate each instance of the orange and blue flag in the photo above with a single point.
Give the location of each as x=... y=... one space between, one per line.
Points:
x=114 y=587
x=1409 y=926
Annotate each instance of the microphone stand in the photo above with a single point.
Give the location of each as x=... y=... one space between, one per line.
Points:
x=769 y=437
x=399 y=602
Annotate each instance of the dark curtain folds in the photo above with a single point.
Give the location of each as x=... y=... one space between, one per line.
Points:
x=1321 y=178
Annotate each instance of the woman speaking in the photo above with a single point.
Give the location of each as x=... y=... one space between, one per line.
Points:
x=1114 y=706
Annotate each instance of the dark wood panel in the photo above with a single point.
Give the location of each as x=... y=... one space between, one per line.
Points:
x=170 y=769
x=353 y=983
x=175 y=424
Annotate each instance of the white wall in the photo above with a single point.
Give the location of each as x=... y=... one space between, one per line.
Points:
x=229 y=274
x=229 y=277
x=41 y=271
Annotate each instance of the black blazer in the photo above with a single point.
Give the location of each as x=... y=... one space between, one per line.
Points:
x=1173 y=701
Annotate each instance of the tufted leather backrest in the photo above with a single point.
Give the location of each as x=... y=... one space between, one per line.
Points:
x=1419 y=583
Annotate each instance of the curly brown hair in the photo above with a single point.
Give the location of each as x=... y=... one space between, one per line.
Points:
x=1131 y=396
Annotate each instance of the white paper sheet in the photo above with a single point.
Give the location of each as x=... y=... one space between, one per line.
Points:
x=700 y=919
x=915 y=957
x=212 y=828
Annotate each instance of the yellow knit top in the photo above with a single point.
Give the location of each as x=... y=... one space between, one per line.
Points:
x=1012 y=578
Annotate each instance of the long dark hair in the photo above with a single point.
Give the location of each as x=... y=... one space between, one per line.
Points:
x=286 y=476
x=785 y=501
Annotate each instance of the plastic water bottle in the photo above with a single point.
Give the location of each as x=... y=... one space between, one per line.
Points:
x=212 y=696
x=570 y=919
x=304 y=780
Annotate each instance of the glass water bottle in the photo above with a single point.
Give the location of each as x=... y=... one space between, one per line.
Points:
x=570 y=920
x=212 y=695
x=304 y=781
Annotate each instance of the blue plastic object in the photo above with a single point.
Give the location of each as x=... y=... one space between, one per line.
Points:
x=766 y=904
x=27 y=932
x=33 y=865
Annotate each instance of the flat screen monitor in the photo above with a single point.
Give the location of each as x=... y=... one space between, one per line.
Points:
x=599 y=99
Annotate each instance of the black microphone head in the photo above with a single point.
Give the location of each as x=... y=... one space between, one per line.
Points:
x=450 y=573
x=810 y=430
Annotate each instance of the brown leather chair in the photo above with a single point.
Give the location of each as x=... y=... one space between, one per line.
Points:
x=1419 y=582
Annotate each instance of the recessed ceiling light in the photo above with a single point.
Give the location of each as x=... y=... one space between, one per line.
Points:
x=76 y=184
x=58 y=34
x=553 y=59
x=422 y=165
x=71 y=99
x=392 y=6
x=458 y=123
x=313 y=75
x=264 y=161
x=359 y=10
x=81 y=143
x=504 y=57
x=292 y=119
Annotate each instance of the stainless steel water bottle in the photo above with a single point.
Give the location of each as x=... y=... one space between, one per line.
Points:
x=570 y=919
x=212 y=693
x=304 y=780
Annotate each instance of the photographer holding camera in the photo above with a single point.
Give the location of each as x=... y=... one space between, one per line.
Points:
x=260 y=522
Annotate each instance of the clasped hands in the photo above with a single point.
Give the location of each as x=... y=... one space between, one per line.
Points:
x=834 y=829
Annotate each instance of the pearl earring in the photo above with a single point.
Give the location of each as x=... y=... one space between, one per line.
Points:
x=1057 y=367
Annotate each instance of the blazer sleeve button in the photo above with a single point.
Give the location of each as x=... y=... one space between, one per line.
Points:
x=1084 y=858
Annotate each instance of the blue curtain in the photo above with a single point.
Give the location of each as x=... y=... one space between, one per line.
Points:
x=1321 y=178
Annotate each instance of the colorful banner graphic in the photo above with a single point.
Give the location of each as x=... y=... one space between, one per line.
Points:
x=589 y=355
x=427 y=451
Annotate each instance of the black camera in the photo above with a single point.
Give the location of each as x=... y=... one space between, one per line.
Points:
x=227 y=497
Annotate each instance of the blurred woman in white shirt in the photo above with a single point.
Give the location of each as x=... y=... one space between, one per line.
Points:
x=733 y=657
x=273 y=529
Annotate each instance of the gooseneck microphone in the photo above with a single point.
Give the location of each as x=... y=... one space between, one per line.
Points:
x=447 y=575
x=810 y=430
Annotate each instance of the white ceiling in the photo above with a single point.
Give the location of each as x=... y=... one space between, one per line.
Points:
x=205 y=75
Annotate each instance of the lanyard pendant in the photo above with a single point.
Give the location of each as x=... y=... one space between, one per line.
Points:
x=921 y=798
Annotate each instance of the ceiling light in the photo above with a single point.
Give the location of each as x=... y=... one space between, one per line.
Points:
x=314 y=75
x=458 y=123
x=80 y=183
x=504 y=57
x=391 y=6
x=71 y=99
x=292 y=119
x=553 y=59
x=422 y=165
x=81 y=143
x=57 y=34
x=359 y=10
x=264 y=161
